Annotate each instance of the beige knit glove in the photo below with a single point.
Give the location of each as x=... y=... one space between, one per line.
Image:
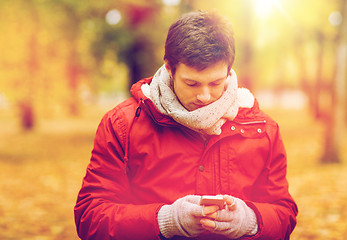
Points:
x=182 y=218
x=234 y=221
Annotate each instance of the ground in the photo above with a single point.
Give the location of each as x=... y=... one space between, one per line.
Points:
x=41 y=173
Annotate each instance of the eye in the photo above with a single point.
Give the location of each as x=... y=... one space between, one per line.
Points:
x=191 y=83
x=216 y=83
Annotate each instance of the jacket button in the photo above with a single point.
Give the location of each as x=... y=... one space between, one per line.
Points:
x=233 y=128
x=201 y=168
x=259 y=130
x=242 y=131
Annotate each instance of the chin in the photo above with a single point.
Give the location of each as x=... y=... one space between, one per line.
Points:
x=190 y=108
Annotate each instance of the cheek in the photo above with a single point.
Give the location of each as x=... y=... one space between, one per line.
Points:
x=183 y=93
x=217 y=93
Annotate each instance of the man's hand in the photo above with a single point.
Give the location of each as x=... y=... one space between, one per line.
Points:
x=183 y=217
x=234 y=221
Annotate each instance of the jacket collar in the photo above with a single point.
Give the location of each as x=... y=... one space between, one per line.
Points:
x=148 y=105
x=136 y=91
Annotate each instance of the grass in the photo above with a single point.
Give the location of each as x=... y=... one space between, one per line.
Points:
x=41 y=173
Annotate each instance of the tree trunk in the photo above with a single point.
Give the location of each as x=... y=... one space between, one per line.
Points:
x=27 y=116
x=335 y=124
x=246 y=79
x=305 y=85
x=73 y=70
x=73 y=64
x=26 y=103
x=319 y=77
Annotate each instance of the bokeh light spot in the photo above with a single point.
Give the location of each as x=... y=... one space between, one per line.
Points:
x=113 y=17
x=335 y=18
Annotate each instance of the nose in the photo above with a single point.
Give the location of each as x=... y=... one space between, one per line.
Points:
x=204 y=96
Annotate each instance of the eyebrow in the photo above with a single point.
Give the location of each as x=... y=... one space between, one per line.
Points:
x=219 y=79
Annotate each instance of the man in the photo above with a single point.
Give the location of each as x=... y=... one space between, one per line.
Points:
x=187 y=132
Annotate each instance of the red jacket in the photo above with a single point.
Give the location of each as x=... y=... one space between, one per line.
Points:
x=142 y=160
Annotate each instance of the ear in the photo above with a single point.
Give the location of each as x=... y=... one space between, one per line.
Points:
x=168 y=68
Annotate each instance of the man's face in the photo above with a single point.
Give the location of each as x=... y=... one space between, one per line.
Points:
x=195 y=89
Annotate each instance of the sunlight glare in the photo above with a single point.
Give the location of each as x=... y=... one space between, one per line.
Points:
x=263 y=7
x=171 y=2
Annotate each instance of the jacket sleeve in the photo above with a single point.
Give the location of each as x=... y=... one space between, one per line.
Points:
x=103 y=209
x=275 y=208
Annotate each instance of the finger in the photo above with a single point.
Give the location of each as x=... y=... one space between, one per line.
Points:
x=208 y=224
x=195 y=210
x=232 y=207
x=230 y=202
x=213 y=216
x=225 y=215
x=193 y=199
x=228 y=199
x=208 y=210
x=223 y=226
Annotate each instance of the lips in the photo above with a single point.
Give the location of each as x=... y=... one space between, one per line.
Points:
x=199 y=105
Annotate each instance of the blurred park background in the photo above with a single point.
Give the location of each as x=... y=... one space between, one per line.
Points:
x=64 y=63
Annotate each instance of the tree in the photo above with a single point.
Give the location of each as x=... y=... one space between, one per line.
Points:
x=73 y=68
x=335 y=121
x=134 y=39
x=26 y=105
x=246 y=78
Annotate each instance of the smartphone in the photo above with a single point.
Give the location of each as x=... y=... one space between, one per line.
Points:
x=208 y=200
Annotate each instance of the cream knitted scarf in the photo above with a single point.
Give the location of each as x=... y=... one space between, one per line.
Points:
x=208 y=119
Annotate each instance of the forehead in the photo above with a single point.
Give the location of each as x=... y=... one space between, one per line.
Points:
x=214 y=72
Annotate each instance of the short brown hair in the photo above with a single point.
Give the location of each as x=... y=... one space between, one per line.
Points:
x=199 y=39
